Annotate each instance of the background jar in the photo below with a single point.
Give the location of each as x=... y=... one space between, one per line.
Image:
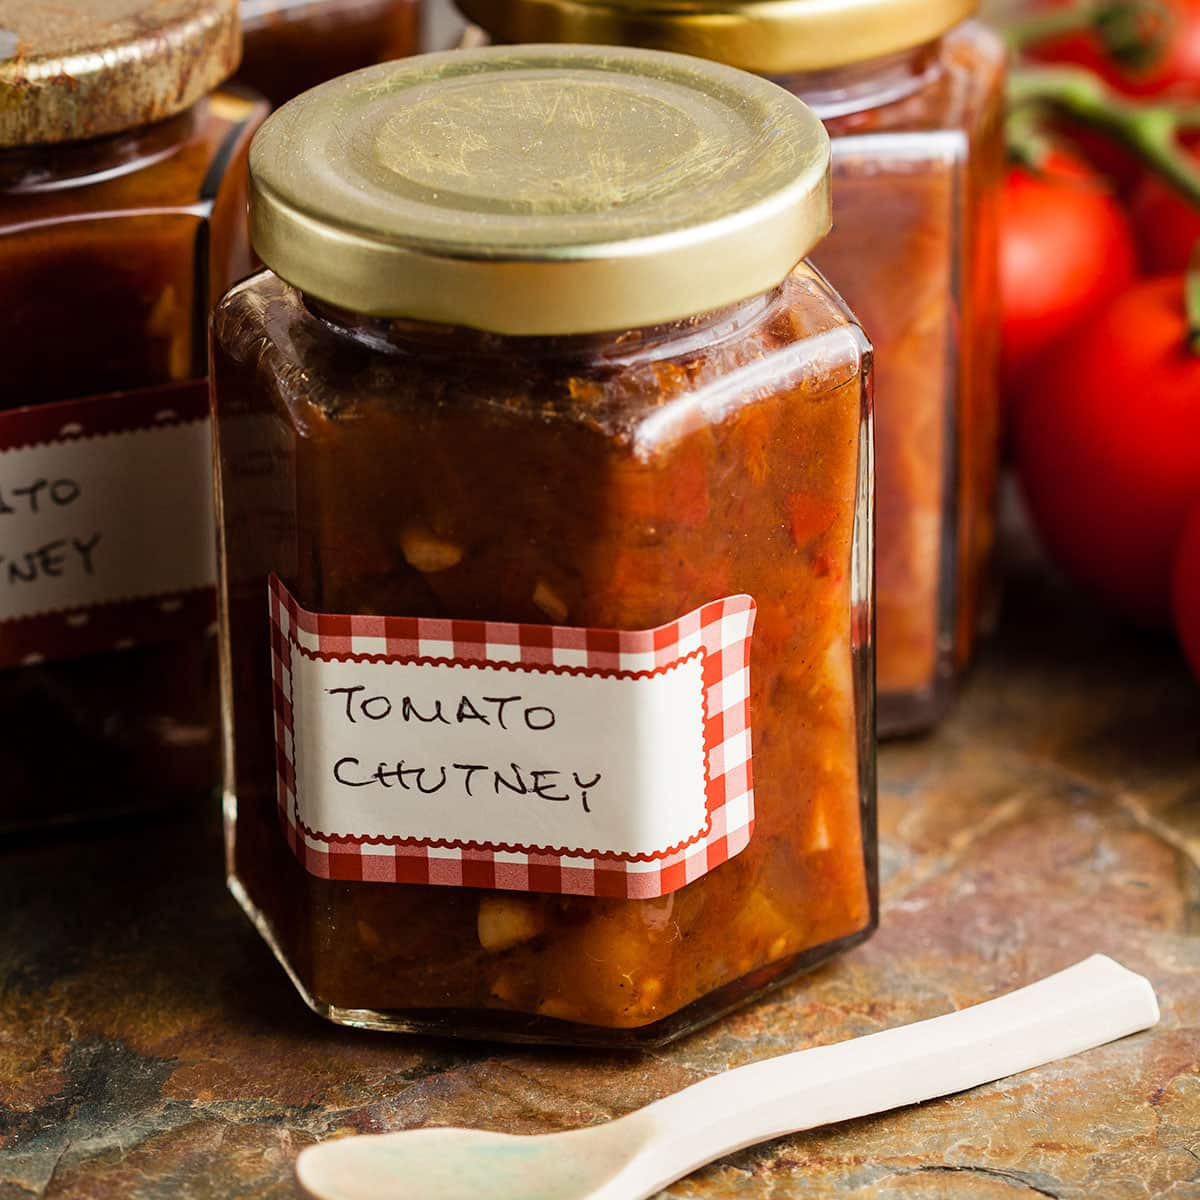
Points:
x=292 y=45
x=911 y=93
x=548 y=436
x=122 y=186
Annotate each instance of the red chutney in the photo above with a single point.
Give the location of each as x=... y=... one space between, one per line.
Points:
x=394 y=466
x=292 y=45
x=113 y=246
x=911 y=93
x=913 y=249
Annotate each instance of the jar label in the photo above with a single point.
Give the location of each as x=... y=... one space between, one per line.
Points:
x=527 y=757
x=106 y=523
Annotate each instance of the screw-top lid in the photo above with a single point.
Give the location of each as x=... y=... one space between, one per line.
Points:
x=75 y=69
x=772 y=37
x=539 y=189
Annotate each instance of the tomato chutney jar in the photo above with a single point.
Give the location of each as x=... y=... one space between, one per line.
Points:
x=911 y=94
x=122 y=190
x=292 y=45
x=545 y=489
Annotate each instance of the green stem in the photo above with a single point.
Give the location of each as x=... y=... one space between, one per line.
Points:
x=1191 y=295
x=1134 y=33
x=1187 y=116
x=1150 y=132
x=1026 y=138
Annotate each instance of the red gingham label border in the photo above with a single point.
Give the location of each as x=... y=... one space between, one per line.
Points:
x=97 y=416
x=719 y=631
x=115 y=624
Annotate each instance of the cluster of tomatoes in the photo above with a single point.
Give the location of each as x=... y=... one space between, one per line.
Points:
x=1101 y=360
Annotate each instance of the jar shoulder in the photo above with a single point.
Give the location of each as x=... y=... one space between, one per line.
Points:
x=271 y=351
x=976 y=56
x=112 y=253
x=961 y=91
x=176 y=164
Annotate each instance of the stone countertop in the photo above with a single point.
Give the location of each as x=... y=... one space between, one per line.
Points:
x=151 y=1049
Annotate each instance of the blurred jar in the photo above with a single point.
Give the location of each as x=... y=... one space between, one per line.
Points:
x=911 y=92
x=292 y=45
x=122 y=193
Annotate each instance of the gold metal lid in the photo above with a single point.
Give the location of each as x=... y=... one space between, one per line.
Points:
x=75 y=69
x=539 y=189
x=771 y=37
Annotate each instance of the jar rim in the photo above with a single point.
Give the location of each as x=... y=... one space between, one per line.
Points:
x=769 y=37
x=80 y=69
x=540 y=189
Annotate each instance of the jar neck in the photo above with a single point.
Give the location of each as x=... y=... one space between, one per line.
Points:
x=859 y=87
x=53 y=167
x=668 y=340
x=256 y=14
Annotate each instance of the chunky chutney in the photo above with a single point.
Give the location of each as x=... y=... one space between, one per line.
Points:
x=395 y=466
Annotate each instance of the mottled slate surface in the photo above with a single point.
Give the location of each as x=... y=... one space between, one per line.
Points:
x=151 y=1049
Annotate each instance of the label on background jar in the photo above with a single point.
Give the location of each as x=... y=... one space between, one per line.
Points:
x=106 y=523
x=526 y=757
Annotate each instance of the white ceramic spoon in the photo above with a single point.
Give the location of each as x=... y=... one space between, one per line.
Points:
x=1093 y=1002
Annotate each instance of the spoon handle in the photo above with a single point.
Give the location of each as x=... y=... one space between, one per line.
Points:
x=1093 y=1002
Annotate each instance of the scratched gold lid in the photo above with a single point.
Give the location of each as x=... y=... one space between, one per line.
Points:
x=75 y=69
x=772 y=37
x=539 y=189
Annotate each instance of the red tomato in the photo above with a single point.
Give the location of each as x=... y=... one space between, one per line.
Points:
x=1167 y=226
x=1185 y=590
x=1107 y=445
x=1175 y=72
x=1065 y=248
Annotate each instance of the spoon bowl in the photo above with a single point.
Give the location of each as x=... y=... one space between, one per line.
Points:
x=467 y=1164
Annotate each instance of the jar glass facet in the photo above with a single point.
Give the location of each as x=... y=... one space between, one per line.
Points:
x=917 y=164
x=291 y=45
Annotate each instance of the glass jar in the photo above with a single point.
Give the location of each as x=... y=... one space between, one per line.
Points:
x=292 y=45
x=122 y=186
x=911 y=93
x=528 y=423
